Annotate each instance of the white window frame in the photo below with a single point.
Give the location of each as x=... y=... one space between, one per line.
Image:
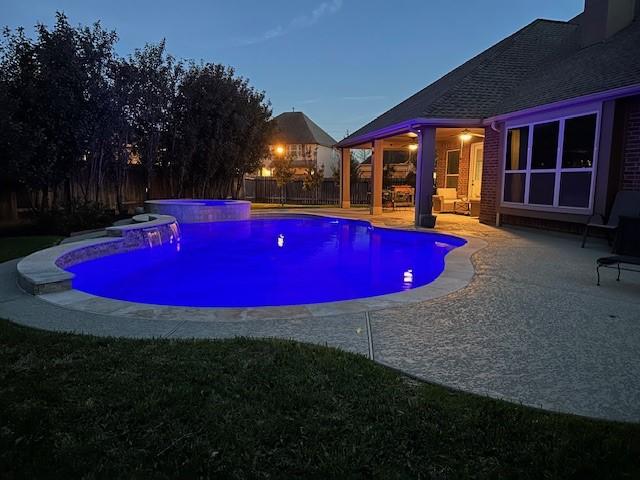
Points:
x=446 y=167
x=558 y=170
x=295 y=150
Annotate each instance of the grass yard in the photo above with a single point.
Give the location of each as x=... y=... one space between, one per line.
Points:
x=76 y=406
x=80 y=406
x=14 y=247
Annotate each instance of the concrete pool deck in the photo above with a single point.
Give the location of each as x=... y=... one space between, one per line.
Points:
x=531 y=327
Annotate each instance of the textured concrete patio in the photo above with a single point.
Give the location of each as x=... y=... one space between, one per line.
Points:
x=531 y=327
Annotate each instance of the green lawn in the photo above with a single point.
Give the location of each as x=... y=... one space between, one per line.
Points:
x=81 y=406
x=75 y=406
x=14 y=247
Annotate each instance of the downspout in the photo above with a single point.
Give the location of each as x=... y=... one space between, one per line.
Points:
x=498 y=222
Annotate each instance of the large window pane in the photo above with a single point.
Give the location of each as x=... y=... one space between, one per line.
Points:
x=517 y=145
x=514 y=187
x=453 y=162
x=545 y=145
x=452 y=181
x=579 y=142
x=575 y=188
x=541 y=188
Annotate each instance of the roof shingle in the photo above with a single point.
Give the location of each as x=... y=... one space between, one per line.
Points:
x=297 y=128
x=541 y=63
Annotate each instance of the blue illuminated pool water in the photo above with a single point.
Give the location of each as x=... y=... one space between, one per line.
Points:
x=270 y=261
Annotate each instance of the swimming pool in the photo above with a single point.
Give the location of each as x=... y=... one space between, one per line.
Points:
x=268 y=262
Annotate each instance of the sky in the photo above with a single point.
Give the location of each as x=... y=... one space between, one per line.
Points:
x=342 y=62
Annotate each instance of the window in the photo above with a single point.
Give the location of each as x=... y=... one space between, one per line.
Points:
x=517 y=147
x=551 y=164
x=453 y=168
x=579 y=142
x=544 y=151
x=295 y=150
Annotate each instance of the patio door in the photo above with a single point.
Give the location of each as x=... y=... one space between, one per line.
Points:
x=475 y=170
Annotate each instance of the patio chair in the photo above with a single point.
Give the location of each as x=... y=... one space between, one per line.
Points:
x=626 y=248
x=626 y=203
x=445 y=199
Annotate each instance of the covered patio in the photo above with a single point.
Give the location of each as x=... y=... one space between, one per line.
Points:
x=448 y=167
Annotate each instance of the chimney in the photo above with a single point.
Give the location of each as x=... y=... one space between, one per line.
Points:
x=603 y=18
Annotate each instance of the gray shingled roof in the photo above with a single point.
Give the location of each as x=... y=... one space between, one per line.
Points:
x=296 y=127
x=539 y=64
x=603 y=66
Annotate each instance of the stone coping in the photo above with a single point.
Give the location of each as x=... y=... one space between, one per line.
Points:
x=457 y=274
x=201 y=210
x=43 y=271
x=197 y=201
x=145 y=220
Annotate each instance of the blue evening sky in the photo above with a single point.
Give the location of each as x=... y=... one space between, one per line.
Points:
x=342 y=62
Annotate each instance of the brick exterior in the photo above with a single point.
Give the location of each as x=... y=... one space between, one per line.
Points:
x=631 y=146
x=490 y=180
x=465 y=163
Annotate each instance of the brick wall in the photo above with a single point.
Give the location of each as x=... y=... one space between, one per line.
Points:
x=631 y=146
x=490 y=180
x=465 y=163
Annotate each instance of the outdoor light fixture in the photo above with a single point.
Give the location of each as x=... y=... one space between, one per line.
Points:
x=279 y=150
x=465 y=135
x=413 y=147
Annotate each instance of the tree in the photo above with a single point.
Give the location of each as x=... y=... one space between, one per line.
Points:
x=100 y=114
x=283 y=173
x=354 y=170
x=46 y=80
x=221 y=129
x=73 y=114
x=313 y=175
x=154 y=84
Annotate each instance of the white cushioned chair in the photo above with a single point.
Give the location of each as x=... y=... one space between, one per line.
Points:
x=445 y=199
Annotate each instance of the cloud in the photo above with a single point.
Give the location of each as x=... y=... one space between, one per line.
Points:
x=309 y=101
x=365 y=98
x=303 y=21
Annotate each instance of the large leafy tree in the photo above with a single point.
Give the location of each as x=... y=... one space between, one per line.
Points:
x=154 y=76
x=221 y=131
x=44 y=80
x=73 y=115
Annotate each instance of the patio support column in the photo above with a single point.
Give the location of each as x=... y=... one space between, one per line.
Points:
x=424 y=177
x=376 y=177
x=345 y=178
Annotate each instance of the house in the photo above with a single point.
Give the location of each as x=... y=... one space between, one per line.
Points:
x=543 y=127
x=297 y=136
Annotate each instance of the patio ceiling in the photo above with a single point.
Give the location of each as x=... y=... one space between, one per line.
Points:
x=403 y=140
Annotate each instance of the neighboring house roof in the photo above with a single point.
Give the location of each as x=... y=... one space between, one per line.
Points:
x=297 y=128
x=541 y=63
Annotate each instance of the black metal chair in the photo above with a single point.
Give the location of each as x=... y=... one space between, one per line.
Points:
x=626 y=248
x=626 y=203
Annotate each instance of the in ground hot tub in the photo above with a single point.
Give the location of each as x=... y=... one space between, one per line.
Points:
x=200 y=211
